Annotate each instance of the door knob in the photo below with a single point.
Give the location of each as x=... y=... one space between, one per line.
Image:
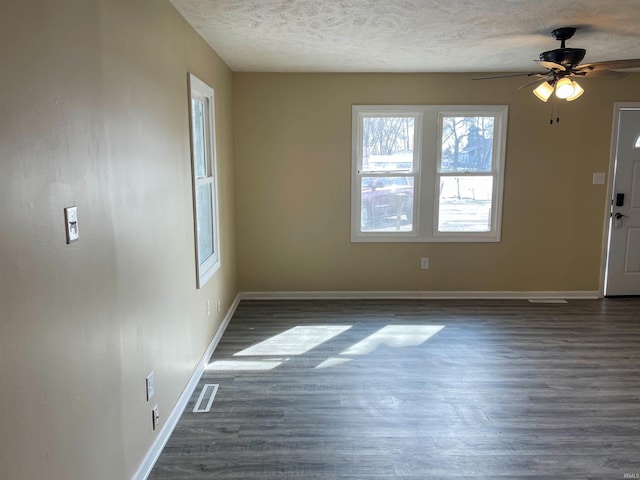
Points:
x=617 y=222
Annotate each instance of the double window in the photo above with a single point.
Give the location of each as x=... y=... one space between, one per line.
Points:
x=427 y=173
x=204 y=179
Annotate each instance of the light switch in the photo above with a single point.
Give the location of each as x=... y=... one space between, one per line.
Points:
x=71 y=222
x=598 y=178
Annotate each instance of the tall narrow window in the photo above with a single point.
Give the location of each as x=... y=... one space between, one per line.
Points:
x=465 y=175
x=387 y=172
x=203 y=163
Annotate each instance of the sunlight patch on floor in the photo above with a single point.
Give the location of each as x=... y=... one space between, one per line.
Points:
x=394 y=336
x=295 y=341
x=332 y=362
x=301 y=339
x=242 y=365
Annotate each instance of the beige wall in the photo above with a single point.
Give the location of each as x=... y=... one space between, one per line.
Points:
x=93 y=113
x=293 y=147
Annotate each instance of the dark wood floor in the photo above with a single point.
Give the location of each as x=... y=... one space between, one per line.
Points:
x=505 y=390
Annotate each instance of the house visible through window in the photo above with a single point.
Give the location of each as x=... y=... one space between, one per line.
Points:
x=427 y=173
x=204 y=179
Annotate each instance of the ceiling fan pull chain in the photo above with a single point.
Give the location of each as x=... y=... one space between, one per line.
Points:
x=557 y=114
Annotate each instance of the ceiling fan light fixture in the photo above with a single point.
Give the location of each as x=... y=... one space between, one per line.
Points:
x=543 y=91
x=578 y=90
x=565 y=88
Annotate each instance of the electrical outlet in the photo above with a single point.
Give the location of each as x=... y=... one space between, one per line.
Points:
x=208 y=308
x=155 y=417
x=150 y=386
x=219 y=306
x=424 y=263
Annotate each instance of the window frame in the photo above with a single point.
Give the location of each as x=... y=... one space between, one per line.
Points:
x=427 y=155
x=199 y=90
x=359 y=173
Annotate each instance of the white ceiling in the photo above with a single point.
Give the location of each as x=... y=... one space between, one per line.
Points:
x=408 y=35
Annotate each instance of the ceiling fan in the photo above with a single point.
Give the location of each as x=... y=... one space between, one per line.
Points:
x=563 y=66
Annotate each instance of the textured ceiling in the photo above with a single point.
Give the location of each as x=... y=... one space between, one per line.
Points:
x=408 y=35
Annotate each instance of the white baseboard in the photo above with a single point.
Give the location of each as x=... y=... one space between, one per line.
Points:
x=172 y=419
x=435 y=295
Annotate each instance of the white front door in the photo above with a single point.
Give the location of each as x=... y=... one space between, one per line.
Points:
x=623 y=260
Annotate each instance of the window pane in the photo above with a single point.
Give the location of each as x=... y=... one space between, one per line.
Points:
x=387 y=143
x=467 y=144
x=204 y=222
x=199 y=144
x=465 y=204
x=386 y=204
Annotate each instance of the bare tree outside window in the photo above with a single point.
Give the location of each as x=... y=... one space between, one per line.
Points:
x=390 y=139
x=467 y=144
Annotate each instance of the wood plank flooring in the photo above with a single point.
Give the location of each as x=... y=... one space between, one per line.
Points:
x=343 y=389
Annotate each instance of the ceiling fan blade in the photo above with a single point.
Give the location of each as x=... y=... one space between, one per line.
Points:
x=537 y=80
x=510 y=75
x=605 y=74
x=550 y=65
x=610 y=65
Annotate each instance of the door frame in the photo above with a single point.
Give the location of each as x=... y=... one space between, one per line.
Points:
x=617 y=106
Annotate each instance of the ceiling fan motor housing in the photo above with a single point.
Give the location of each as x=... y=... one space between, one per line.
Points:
x=564 y=56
